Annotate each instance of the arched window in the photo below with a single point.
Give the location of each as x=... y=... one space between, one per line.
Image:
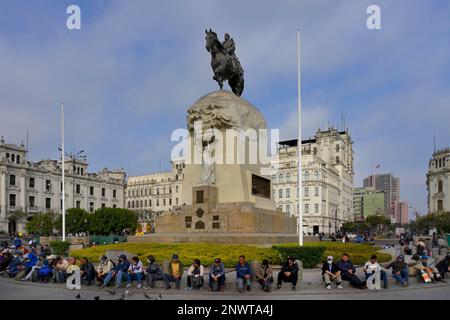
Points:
x=288 y=177
x=440 y=163
x=440 y=186
x=18 y=159
x=440 y=206
x=316 y=175
x=13 y=157
x=280 y=177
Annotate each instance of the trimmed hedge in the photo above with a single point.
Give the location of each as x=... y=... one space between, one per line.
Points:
x=309 y=256
x=229 y=254
x=60 y=248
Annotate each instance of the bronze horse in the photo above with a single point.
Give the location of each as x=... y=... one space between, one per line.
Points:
x=223 y=66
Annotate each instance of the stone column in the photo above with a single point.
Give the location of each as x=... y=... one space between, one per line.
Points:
x=3 y=220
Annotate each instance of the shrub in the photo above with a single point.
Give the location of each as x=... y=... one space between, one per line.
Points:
x=229 y=254
x=60 y=248
x=309 y=256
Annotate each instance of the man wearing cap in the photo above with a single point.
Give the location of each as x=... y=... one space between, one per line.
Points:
x=432 y=271
x=217 y=276
x=119 y=272
x=288 y=273
x=175 y=272
x=331 y=272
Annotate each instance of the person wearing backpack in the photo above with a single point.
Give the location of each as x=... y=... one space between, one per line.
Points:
x=195 y=275
x=104 y=267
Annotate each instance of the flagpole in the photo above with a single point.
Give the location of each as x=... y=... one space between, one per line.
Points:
x=63 y=191
x=299 y=152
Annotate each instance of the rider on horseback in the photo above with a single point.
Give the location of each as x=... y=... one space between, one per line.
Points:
x=229 y=45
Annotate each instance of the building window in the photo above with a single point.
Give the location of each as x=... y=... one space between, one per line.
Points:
x=78 y=204
x=157 y=202
x=164 y=201
x=114 y=194
x=170 y=201
x=440 y=186
x=176 y=189
x=288 y=177
x=316 y=191
x=150 y=202
x=78 y=189
x=306 y=208
x=176 y=201
x=337 y=159
x=199 y=212
x=12 y=180
x=337 y=148
x=288 y=193
x=114 y=206
x=91 y=191
x=145 y=203
x=12 y=200
x=440 y=206
x=129 y=204
x=200 y=225
x=31 y=202
x=157 y=190
x=280 y=193
x=306 y=175
x=316 y=175
x=103 y=205
x=288 y=208
x=13 y=157
x=48 y=203
x=82 y=171
x=316 y=208
x=315 y=151
x=306 y=192
x=31 y=183
x=280 y=177
x=103 y=192
x=48 y=185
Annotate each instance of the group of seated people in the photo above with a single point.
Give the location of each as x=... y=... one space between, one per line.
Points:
x=401 y=271
x=134 y=270
x=27 y=265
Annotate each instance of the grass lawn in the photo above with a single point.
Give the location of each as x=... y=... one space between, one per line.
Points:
x=228 y=253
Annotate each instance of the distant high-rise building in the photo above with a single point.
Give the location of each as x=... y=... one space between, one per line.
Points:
x=399 y=212
x=367 y=202
x=438 y=181
x=386 y=183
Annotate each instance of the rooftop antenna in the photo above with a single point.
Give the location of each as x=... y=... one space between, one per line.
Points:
x=26 y=153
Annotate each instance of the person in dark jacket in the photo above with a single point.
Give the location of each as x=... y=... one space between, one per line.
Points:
x=153 y=272
x=217 y=276
x=288 y=273
x=348 y=272
x=399 y=270
x=331 y=272
x=243 y=274
x=119 y=272
x=87 y=271
x=7 y=259
x=443 y=266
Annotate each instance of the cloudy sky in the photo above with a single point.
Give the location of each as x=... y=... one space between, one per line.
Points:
x=128 y=76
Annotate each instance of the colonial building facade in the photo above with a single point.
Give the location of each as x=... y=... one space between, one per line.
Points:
x=28 y=188
x=438 y=181
x=327 y=165
x=154 y=193
x=367 y=202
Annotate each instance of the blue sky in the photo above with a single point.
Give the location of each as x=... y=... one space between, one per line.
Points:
x=128 y=76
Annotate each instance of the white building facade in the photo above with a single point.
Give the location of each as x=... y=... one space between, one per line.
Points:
x=438 y=181
x=155 y=192
x=28 y=188
x=327 y=163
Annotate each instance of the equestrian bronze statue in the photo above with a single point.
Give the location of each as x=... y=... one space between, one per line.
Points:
x=225 y=64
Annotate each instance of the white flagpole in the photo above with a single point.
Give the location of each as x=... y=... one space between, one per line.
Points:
x=63 y=191
x=299 y=146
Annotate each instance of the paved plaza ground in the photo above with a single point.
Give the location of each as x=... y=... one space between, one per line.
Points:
x=310 y=288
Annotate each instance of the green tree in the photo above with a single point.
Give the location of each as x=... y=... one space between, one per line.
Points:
x=105 y=221
x=378 y=222
x=438 y=220
x=77 y=220
x=40 y=224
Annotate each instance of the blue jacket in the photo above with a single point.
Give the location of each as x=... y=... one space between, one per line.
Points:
x=32 y=258
x=123 y=266
x=345 y=266
x=217 y=270
x=17 y=242
x=241 y=271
